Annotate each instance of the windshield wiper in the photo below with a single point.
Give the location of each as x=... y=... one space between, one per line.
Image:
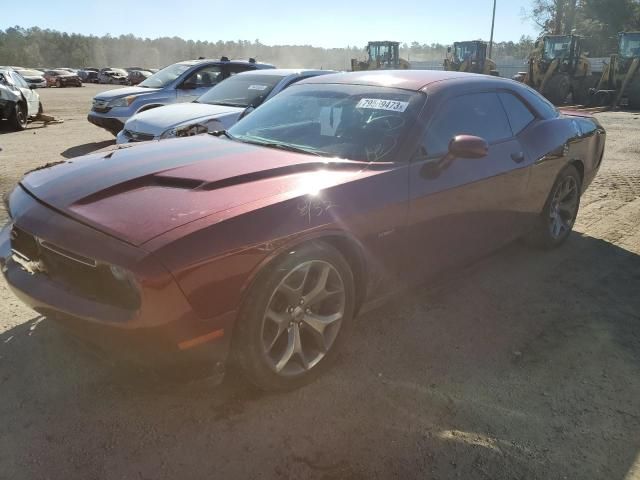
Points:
x=229 y=104
x=288 y=147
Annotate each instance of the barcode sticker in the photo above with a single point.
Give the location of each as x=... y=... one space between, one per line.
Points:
x=380 y=104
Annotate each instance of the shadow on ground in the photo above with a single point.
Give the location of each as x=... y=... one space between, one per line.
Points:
x=86 y=148
x=525 y=365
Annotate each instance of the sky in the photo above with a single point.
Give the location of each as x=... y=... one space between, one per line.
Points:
x=328 y=23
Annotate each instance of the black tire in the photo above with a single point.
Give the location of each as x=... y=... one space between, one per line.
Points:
x=543 y=234
x=19 y=116
x=580 y=93
x=634 y=96
x=557 y=89
x=248 y=350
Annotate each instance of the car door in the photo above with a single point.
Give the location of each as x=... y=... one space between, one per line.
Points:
x=33 y=99
x=469 y=206
x=199 y=81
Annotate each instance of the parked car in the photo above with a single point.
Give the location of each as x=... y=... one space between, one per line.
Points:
x=18 y=101
x=62 y=78
x=265 y=242
x=137 y=76
x=217 y=109
x=113 y=76
x=33 y=77
x=177 y=83
x=88 y=75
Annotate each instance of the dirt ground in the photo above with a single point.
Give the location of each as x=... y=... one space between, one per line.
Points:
x=525 y=366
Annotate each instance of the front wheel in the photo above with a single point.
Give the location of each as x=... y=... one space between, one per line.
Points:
x=295 y=317
x=18 y=118
x=560 y=211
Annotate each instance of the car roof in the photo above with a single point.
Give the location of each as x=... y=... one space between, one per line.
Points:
x=214 y=61
x=285 y=72
x=415 y=80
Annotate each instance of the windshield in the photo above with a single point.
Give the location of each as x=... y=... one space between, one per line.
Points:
x=630 y=46
x=384 y=53
x=241 y=90
x=557 y=47
x=30 y=73
x=165 y=76
x=346 y=121
x=464 y=51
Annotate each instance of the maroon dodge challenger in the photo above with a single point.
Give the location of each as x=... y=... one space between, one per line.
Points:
x=260 y=244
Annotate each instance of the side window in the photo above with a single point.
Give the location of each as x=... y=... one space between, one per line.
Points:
x=541 y=104
x=205 y=77
x=233 y=69
x=19 y=81
x=479 y=114
x=519 y=114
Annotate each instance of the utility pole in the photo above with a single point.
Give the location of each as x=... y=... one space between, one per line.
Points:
x=493 y=22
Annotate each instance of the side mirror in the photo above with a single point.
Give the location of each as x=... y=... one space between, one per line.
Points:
x=246 y=112
x=460 y=146
x=468 y=146
x=188 y=86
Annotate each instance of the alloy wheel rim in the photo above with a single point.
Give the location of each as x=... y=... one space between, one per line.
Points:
x=564 y=207
x=303 y=318
x=21 y=115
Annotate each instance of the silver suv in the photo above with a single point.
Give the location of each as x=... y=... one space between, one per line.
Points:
x=177 y=83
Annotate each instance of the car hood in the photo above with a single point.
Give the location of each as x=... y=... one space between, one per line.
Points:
x=141 y=192
x=123 y=92
x=157 y=120
x=33 y=77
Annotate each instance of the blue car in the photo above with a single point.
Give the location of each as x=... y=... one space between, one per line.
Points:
x=177 y=83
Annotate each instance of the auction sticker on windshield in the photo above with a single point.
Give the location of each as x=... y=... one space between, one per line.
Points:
x=380 y=104
x=257 y=87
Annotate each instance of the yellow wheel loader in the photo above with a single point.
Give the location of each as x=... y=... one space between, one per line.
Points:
x=470 y=57
x=382 y=55
x=621 y=77
x=558 y=67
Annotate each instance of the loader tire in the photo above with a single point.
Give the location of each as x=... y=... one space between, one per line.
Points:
x=557 y=89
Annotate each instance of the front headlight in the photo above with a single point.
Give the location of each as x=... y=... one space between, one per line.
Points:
x=122 y=102
x=191 y=130
x=169 y=133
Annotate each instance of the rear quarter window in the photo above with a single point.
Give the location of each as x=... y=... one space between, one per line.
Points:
x=544 y=107
x=519 y=114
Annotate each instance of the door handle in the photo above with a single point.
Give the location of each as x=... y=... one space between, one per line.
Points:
x=518 y=157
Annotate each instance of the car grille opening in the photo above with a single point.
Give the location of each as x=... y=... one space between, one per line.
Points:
x=80 y=275
x=100 y=106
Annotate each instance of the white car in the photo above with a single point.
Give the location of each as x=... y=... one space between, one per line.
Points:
x=18 y=102
x=217 y=109
x=33 y=77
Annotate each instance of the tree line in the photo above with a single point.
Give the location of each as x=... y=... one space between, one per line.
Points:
x=598 y=21
x=35 y=47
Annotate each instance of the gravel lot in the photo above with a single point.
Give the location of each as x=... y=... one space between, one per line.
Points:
x=525 y=365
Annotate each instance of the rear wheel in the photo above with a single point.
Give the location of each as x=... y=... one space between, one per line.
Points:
x=295 y=317
x=560 y=211
x=18 y=118
x=634 y=96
